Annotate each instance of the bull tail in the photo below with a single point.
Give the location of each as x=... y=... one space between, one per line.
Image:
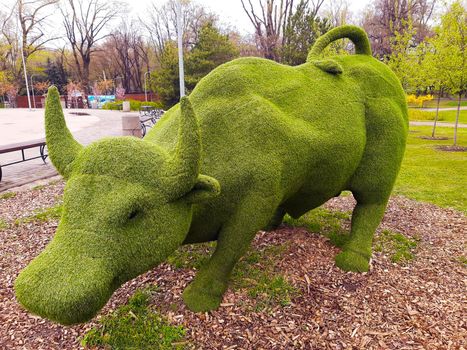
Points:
x=356 y=34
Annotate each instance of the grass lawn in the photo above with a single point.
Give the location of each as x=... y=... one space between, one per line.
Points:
x=431 y=175
x=444 y=116
x=443 y=103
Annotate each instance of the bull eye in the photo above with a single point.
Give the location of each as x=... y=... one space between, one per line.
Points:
x=133 y=214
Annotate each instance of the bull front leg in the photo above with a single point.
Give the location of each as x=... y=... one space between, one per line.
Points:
x=205 y=292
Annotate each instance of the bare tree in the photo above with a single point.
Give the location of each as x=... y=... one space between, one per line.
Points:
x=24 y=26
x=385 y=18
x=126 y=55
x=32 y=19
x=86 y=22
x=162 y=23
x=337 y=12
x=426 y=10
x=270 y=18
x=10 y=49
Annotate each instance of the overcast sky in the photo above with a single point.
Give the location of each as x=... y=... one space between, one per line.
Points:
x=229 y=11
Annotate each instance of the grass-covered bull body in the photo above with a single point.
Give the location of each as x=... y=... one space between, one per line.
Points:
x=255 y=140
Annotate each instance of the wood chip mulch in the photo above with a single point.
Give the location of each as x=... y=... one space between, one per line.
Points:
x=452 y=148
x=434 y=138
x=420 y=305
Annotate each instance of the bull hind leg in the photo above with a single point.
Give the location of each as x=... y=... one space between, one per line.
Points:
x=205 y=292
x=356 y=252
x=373 y=180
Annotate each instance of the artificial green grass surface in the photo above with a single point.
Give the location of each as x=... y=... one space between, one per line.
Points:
x=255 y=140
x=432 y=175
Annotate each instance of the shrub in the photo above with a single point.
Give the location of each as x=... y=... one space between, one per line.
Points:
x=134 y=105
x=415 y=114
x=418 y=100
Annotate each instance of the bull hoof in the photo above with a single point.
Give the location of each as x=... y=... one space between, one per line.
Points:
x=351 y=261
x=202 y=300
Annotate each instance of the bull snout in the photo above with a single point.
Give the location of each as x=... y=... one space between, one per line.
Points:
x=66 y=285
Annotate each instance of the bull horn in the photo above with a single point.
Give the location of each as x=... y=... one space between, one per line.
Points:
x=61 y=145
x=184 y=166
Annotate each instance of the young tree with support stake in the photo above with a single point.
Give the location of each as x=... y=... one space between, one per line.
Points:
x=450 y=46
x=437 y=74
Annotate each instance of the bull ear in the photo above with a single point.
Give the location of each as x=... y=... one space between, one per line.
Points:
x=61 y=145
x=205 y=188
x=329 y=66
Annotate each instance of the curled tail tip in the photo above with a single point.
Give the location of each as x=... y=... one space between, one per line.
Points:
x=356 y=34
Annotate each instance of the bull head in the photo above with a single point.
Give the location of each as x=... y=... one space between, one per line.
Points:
x=127 y=206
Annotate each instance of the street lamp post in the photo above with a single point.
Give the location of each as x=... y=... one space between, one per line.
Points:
x=25 y=77
x=146 y=86
x=24 y=63
x=32 y=87
x=115 y=84
x=180 y=49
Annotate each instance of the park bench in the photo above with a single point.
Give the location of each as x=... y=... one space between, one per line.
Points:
x=21 y=147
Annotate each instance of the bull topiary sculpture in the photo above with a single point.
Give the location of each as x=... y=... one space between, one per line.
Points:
x=255 y=140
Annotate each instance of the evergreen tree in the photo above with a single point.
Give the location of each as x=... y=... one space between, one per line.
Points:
x=56 y=74
x=164 y=80
x=211 y=50
x=301 y=32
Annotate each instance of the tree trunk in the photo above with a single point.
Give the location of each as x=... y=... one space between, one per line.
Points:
x=77 y=63
x=437 y=112
x=457 y=117
x=85 y=74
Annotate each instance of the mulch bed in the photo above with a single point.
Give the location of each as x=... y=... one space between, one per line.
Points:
x=434 y=138
x=420 y=305
x=452 y=148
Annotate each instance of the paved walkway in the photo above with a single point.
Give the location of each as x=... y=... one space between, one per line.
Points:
x=463 y=108
x=20 y=125
x=440 y=124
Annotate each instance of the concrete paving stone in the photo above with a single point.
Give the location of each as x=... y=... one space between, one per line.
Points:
x=22 y=125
